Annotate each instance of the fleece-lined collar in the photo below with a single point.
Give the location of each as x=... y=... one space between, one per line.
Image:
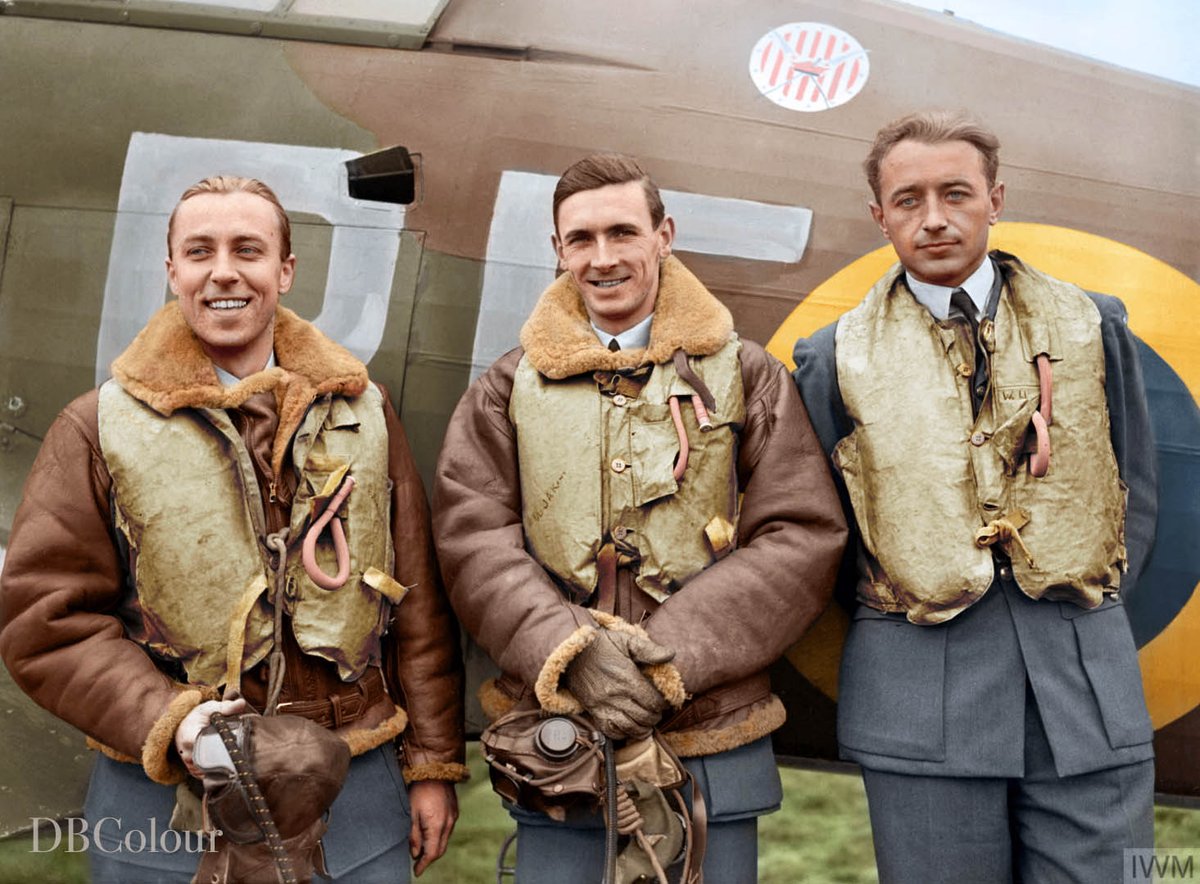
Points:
x=166 y=368
x=559 y=341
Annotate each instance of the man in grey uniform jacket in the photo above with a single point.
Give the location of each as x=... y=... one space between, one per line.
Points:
x=989 y=427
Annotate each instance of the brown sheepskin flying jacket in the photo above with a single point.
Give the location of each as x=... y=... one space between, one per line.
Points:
x=730 y=621
x=68 y=612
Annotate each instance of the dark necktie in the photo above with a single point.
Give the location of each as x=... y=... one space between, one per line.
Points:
x=613 y=345
x=960 y=301
x=962 y=308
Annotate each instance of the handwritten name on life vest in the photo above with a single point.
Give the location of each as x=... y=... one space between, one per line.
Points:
x=543 y=503
x=1013 y=394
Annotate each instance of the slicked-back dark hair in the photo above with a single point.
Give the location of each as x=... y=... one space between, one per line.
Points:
x=601 y=170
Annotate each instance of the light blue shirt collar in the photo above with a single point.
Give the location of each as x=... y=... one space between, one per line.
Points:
x=228 y=380
x=936 y=298
x=635 y=338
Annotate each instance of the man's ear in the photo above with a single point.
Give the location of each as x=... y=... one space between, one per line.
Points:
x=996 y=198
x=287 y=274
x=171 y=277
x=877 y=214
x=557 y=245
x=666 y=233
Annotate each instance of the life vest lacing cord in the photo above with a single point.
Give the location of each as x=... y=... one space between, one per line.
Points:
x=1002 y=531
x=630 y=823
x=276 y=663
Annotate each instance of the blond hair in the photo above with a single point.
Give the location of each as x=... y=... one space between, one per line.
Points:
x=236 y=184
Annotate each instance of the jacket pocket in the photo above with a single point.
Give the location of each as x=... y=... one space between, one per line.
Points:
x=654 y=446
x=1110 y=661
x=740 y=783
x=341 y=416
x=1070 y=610
x=892 y=690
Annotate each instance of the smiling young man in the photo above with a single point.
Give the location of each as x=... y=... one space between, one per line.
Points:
x=989 y=685
x=592 y=535
x=148 y=548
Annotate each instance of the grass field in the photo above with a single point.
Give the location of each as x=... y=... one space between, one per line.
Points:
x=821 y=836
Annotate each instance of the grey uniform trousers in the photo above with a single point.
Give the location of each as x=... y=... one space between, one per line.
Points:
x=1011 y=743
x=1037 y=828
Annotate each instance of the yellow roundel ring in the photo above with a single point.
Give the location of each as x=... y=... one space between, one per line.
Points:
x=1162 y=304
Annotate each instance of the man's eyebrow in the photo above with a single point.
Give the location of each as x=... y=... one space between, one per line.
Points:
x=941 y=185
x=195 y=239
x=249 y=237
x=900 y=191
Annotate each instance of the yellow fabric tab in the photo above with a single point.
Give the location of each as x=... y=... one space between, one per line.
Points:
x=393 y=590
x=237 y=632
x=334 y=482
x=720 y=533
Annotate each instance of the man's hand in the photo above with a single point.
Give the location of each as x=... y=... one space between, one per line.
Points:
x=434 y=811
x=606 y=679
x=196 y=721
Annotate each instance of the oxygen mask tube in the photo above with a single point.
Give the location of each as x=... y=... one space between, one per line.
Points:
x=610 y=811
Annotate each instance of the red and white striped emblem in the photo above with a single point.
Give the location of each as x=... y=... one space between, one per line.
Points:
x=808 y=66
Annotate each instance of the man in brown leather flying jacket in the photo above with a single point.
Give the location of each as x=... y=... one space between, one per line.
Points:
x=991 y=429
x=144 y=571
x=610 y=555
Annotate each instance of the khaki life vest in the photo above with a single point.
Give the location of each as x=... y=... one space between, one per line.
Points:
x=187 y=501
x=924 y=475
x=598 y=466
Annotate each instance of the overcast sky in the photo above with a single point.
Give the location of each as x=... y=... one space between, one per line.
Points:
x=1157 y=37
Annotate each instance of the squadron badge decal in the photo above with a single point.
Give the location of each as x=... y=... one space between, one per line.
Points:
x=807 y=66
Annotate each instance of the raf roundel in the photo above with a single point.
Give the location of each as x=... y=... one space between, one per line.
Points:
x=808 y=66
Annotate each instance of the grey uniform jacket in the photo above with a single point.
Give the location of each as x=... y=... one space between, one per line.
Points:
x=950 y=699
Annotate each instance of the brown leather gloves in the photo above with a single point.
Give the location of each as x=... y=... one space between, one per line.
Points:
x=606 y=680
